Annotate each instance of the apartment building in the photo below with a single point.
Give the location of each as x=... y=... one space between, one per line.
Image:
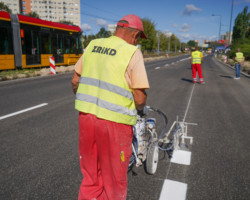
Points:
x=14 y=5
x=53 y=10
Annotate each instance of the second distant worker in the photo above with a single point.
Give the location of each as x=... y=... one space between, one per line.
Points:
x=196 y=60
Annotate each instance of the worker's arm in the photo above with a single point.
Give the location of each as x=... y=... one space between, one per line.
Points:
x=75 y=81
x=243 y=59
x=140 y=97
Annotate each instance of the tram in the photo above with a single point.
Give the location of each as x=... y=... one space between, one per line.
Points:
x=28 y=42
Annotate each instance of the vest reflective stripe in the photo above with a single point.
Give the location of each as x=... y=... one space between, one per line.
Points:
x=104 y=104
x=107 y=86
x=196 y=57
x=239 y=57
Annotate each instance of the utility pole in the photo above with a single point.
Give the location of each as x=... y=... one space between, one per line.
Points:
x=229 y=34
x=169 y=40
x=175 y=46
x=158 y=43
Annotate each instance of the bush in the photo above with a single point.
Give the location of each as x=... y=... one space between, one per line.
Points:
x=244 y=46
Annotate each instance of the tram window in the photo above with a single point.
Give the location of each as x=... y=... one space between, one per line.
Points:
x=5 y=41
x=28 y=42
x=46 y=43
x=54 y=43
x=67 y=45
x=74 y=45
x=60 y=44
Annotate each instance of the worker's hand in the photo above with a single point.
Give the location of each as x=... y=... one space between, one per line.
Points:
x=143 y=112
x=140 y=97
x=75 y=81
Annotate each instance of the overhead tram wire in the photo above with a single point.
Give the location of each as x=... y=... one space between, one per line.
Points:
x=100 y=9
x=90 y=15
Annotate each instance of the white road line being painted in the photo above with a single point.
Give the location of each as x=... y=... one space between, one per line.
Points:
x=181 y=157
x=22 y=111
x=157 y=68
x=184 y=118
x=173 y=190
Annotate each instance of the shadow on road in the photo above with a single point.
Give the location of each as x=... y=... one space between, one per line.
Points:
x=226 y=76
x=188 y=80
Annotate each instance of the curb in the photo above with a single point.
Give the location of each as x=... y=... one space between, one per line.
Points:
x=245 y=74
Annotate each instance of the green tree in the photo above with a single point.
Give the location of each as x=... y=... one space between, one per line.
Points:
x=191 y=43
x=241 y=34
x=87 y=40
x=150 y=32
x=241 y=27
x=33 y=14
x=66 y=22
x=4 y=7
x=163 y=41
x=103 y=33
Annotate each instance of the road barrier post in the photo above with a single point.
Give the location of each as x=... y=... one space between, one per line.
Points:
x=52 y=65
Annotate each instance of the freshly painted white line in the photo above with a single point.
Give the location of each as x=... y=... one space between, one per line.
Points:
x=173 y=190
x=181 y=157
x=188 y=103
x=157 y=68
x=22 y=111
x=166 y=65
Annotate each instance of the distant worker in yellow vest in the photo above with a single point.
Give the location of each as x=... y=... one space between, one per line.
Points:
x=109 y=81
x=196 y=60
x=239 y=59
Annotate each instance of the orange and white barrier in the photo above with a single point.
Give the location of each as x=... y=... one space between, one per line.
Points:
x=52 y=65
x=225 y=59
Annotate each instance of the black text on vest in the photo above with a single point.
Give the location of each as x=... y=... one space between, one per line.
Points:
x=104 y=50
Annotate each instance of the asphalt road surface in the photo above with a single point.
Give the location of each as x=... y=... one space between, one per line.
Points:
x=39 y=136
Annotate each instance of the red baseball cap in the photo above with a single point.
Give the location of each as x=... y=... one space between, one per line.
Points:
x=133 y=22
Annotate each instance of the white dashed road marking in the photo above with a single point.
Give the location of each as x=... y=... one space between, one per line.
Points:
x=22 y=111
x=181 y=157
x=173 y=190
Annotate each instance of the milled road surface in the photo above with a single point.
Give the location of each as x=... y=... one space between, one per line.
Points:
x=39 y=148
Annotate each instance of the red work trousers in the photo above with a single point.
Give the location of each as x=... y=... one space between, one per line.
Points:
x=105 y=148
x=195 y=68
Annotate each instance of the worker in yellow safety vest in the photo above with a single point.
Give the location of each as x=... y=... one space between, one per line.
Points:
x=239 y=59
x=196 y=60
x=109 y=81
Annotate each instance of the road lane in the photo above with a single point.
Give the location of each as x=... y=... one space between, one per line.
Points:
x=39 y=148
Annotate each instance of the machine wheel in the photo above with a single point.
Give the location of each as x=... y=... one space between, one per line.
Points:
x=152 y=159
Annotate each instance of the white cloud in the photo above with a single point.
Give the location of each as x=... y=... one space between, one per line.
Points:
x=189 y=9
x=174 y=25
x=86 y=27
x=167 y=33
x=101 y=22
x=186 y=37
x=241 y=2
x=185 y=28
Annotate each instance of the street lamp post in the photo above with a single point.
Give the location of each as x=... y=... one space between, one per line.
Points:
x=158 y=43
x=229 y=34
x=220 y=24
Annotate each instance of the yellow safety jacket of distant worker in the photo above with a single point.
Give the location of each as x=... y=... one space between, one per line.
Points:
x=196 y=56
x=103 y=89
x=239 y=57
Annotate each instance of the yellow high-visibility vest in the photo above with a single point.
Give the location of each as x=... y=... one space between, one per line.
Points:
x=196 y=55
x=239 y=57
x=103 y=89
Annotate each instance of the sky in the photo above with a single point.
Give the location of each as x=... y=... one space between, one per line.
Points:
x=187 y=19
